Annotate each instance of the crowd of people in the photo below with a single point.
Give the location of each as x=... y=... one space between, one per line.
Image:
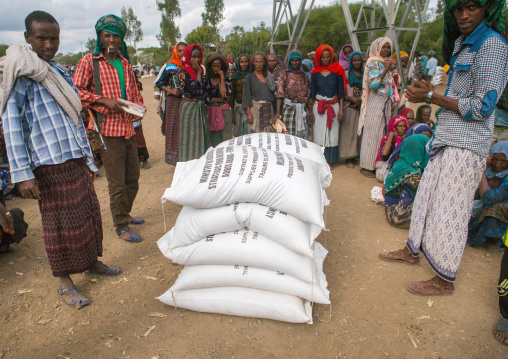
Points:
x=353 y=106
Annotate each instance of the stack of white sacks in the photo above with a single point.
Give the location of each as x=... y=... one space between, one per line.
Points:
x=253 y=207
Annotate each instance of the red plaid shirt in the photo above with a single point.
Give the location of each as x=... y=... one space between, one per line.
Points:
x=115 y=124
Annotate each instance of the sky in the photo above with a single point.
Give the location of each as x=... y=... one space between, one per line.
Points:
x=77 y=18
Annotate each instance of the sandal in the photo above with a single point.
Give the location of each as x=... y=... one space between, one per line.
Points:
x=132 y=238
x=137 y=220
x=350 y=164
x=77 y=300
x=388 y=256
x=502 y=326
x=108 y=270
x=367 y=173
x=425 y=288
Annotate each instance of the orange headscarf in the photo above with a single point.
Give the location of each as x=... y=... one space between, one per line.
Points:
x=333 y=66
x=174 y=53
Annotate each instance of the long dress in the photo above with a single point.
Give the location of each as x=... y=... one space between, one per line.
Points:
x=193 y=131
x=293 y=88
x=349 y=141
x=324 y=89
x=377 y=115
x=211 y=92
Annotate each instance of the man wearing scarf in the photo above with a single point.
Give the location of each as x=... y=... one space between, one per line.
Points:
x=476 y=49
x=117 y=82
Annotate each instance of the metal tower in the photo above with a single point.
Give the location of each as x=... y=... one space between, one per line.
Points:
x=282 y=10
x=387 y=10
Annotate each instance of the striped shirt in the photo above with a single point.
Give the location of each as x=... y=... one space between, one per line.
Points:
x=38 y=131
x=477 y=77
x=115 y=124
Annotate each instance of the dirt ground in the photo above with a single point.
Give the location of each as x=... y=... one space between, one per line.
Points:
x=371 y=316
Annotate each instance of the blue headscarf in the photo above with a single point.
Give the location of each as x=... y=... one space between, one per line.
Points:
x=294 y=54
x=416 y=129
x=309 y=65
x=500 y=147
x=355 y=80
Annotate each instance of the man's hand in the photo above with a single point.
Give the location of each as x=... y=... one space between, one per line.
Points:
x=29 y=189
x=6 y=220
x=417 y=93
x=112 y=105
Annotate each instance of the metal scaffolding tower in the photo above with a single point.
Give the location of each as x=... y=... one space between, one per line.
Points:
x=370 y=18
x=282 y=11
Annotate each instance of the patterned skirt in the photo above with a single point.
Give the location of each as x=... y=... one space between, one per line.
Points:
x=376 y=119
x=193 y=137
x=242 y=126
x=227 y=132
x=172 y=111
x=442 y=208
x=488 y=223
x=289 y=119
x=349 y=141
x=71 y=217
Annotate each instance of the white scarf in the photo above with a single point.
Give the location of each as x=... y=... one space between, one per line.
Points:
x=21 y=61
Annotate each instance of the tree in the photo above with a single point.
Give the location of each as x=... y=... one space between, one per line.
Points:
x=440 y=8
x=240 y=41
x=3 y=48
x=205 y=36
x=170 y=9
x=134 y=33
x=214 y=12
x=90 y=45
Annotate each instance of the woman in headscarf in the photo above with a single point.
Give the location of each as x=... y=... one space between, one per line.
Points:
x=193 y=132
x=404 y=58
x=397 y=127
x=344 y=54
x=349 y=143
x=327 y=92
x=419 y=128
x=423 y=114
x=403 y=179
x=292 y=96
x=258 y=95
x=217 y=92
x=376 y=103
x=307 y=66
x=489 y=223
x=409 y=115
x=169 y=105
x=240 y=124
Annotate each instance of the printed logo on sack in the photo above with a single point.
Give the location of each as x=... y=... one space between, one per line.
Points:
x=502 y=289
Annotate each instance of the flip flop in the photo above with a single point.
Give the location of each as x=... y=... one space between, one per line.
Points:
x=74 y=301
x=137 y=220
x=422 y=288
x=132 y=238
x=108 y=271
x=502 y=326
x=388 y=256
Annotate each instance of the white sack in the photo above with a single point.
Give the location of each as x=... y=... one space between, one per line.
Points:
x=287 y=144
x=245 y=302
x=210 y=276
x=246 y=248
x=194 y=224
x=227 y=175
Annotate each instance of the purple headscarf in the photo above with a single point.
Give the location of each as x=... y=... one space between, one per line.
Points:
x=343 y=60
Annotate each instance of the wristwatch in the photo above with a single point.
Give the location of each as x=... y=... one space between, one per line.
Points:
x=428 y=99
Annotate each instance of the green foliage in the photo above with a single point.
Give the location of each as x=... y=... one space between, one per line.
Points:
x=241 y=42
x=205 y=36
x=134 y=33
x=3 y=48
x=90 y=45
x=214 y=12
x=170 y=9
x=68 y=59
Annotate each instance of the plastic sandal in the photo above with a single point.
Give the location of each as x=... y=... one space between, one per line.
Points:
x=137 y=220
x=502 y=326
x=132 y=238
x=108 y=271
x=74 y=302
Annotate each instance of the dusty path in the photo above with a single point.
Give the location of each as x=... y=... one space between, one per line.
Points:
x=371 y=316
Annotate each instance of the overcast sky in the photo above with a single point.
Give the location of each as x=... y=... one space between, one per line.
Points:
x=77 y=18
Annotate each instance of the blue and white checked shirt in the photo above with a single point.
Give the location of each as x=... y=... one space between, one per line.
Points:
x=477 y=77
x=39 y=132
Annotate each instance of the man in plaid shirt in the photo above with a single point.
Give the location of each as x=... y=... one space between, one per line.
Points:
x=475 y=47
x=117 y=81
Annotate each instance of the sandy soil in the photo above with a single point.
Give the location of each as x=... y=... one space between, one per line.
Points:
x=371 y=316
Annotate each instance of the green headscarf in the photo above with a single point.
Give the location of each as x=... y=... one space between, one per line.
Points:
x=240 y=74
x=413 y=160
x=114 y=25
x=494 y=20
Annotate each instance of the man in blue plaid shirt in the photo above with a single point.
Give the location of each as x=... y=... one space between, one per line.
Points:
x=478 y=56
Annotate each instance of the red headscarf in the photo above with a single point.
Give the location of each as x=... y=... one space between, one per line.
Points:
x=186 y=60
x=175 y=59
x=333 y=66
x=231 y=59
x=394 y=121
x=405 y=111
